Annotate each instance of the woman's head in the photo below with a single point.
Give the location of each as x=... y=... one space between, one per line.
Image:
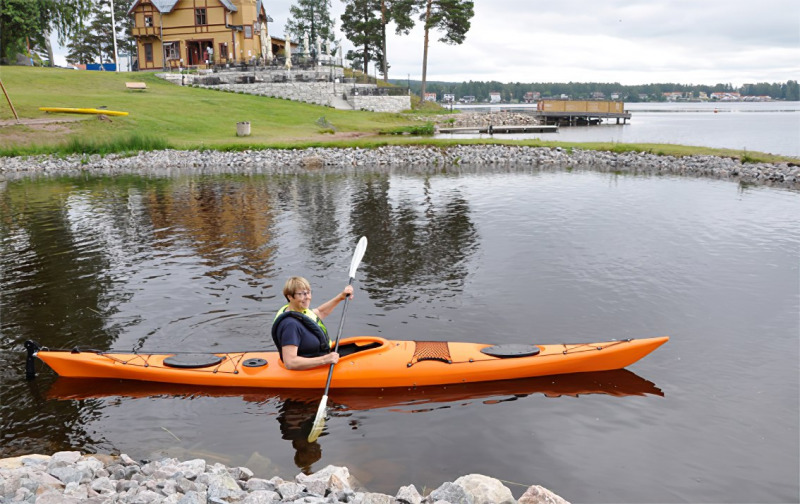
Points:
x=294 y=285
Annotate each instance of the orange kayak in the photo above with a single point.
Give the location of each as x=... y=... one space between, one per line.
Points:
x=366 y=362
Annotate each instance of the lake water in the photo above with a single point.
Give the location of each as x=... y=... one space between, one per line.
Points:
x=772 y=127
x=197 y=262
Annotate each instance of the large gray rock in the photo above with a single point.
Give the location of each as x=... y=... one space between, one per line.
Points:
x=331 y=478
x=262 y=497
x=372 y=498
x=63 y=459
x=539 y=495
x=485 y=490
x=193 y=498
x=290 y=491
x=222 y=486
x=408 y=495
x=191 y=469
x=452 y=493
x=71 y=474
x=256 y=484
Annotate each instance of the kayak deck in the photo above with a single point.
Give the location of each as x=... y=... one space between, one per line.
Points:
x=366 y=362
x=74 y=110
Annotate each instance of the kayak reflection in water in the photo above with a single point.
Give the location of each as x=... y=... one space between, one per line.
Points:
x=296 y=419
x=298 y=331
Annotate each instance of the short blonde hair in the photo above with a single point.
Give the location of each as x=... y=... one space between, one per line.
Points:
x=294 y=284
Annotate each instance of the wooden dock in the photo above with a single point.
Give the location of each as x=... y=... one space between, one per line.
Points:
x=503 y=128
x=580 y=118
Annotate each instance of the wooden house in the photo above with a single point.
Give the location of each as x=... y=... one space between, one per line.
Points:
x=201 y=33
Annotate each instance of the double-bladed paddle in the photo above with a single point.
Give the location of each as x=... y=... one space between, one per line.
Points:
x=319 y=420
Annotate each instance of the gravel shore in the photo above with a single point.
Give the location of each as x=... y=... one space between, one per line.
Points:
x=71 y=477
x=425 y=158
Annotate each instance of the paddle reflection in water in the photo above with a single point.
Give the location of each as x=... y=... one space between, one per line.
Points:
x=297 y=408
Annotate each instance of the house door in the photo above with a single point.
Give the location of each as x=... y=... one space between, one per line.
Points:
x=193 y=53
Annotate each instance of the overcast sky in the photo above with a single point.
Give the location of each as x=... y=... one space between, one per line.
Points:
x=625 y=41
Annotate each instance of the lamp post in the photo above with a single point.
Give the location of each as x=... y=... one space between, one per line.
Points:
x=114 y=36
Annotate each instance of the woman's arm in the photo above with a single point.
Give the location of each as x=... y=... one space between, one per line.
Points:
x=295 y=362
x=326 y=308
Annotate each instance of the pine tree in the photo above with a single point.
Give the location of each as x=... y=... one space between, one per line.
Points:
x=452 y=17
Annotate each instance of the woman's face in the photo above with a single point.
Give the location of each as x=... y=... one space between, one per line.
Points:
x=301 y=299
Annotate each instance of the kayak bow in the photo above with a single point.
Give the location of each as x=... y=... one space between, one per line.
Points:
x=366 y=362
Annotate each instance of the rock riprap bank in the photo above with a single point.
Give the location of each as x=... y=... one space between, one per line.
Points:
x=413 y=157
x=71 y=477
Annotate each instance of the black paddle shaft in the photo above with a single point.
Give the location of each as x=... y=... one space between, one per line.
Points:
x=338 y=335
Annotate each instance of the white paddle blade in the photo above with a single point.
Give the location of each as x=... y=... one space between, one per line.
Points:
x=319 y=420
x=361 y=248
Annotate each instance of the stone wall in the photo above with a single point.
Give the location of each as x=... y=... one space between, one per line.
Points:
x=318 y=93
x=309 y=86
x=380 y=103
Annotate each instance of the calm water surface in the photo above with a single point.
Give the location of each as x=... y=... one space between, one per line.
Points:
x=196 y=262
x=772 y=127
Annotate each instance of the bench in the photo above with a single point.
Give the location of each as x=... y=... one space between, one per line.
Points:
x=140 y=86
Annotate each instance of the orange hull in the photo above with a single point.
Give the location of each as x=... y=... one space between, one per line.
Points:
x=389 y=364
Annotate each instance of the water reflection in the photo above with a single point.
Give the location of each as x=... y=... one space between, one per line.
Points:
x=416 y=247
x=296 y=409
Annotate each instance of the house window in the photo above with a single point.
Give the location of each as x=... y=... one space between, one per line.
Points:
x=148 y=21
x=223 y=51
x=148 y=52
x=172 y=50
x=200 y=17
x=248 y=31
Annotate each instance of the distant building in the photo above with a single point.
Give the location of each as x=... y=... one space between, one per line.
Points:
x=494 y=97
x=431 y=97
x=598 y=95
x=673 y=95
x=448 y=98
x=726 y=96
x=532 y=96
x=615 y=96
x=467 y=99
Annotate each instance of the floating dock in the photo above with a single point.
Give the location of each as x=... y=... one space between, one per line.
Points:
x=503 y=128
x=580 y=112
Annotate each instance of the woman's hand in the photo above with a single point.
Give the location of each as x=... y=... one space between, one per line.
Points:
x=347 y=292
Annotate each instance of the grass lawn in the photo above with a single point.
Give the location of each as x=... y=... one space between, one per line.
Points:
x=167 y=115
x=185 y=117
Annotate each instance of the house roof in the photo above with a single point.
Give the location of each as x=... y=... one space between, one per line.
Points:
x=166 y=6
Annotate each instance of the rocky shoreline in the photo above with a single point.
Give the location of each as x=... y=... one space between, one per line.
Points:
x=71 y=477
x=421 y=158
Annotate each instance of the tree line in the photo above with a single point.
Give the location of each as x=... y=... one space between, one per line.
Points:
x=515 y=92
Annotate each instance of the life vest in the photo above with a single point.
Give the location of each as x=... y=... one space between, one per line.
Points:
x=310 y=320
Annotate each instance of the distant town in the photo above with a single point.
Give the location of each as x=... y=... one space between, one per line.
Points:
x=496 y=92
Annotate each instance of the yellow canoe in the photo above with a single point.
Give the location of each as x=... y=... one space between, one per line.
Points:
x=68 y=110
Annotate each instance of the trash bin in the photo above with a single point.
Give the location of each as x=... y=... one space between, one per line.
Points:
x=243 y=128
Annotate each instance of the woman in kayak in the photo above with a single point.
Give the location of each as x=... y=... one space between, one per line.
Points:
x=298 y=331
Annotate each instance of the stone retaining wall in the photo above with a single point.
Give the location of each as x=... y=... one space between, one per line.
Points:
x=308 y=86
x=380 y=103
